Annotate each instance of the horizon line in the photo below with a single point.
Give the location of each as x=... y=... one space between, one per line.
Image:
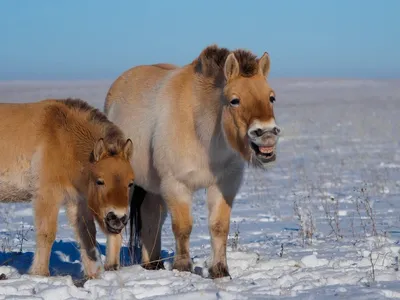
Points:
x=273 y=78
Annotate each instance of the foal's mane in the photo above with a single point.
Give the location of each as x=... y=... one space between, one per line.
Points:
x=113 y=136
x=211 y=61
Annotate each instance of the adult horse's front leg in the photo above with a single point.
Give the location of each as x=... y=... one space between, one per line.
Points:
x=220 y=200
x=179 y=201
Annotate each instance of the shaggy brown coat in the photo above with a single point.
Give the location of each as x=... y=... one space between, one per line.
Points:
x=57 y=152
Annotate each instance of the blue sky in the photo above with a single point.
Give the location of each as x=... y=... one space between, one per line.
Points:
x=96 y=39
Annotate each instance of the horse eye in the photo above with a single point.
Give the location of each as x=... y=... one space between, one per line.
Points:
x=100 y=182
x=130 y=184
x=235 y=102
x=272 y=99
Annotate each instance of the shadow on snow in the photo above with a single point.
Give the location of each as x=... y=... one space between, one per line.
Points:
x=65 y=259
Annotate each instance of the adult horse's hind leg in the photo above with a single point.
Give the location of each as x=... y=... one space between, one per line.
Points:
x=82 y=220
x=136 y=195
x=46 y=204
x=220 y=200
x=153 y=213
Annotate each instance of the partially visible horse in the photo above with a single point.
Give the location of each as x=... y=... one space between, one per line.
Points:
x=63 y=151
x=194 y=127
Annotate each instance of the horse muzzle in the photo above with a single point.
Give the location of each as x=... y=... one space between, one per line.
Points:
x=114 y=223
x=263 y=145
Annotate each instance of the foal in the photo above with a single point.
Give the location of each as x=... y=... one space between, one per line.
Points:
x=67 y=152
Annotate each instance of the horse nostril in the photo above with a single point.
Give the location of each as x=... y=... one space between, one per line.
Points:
x=111 y=216
x=124 y=219
x=257 y=132
x=276 y=130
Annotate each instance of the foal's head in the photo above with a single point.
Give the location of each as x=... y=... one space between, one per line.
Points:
x=248 y=113
x=111 y=176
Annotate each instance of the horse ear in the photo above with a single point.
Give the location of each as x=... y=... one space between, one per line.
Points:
x=264 y=64
x=128 y=149
x=231 y=67
x=99 y=150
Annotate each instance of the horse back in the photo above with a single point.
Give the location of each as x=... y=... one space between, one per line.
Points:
x=35 y=147
x=137 y=84
x=18 y=145
x=18 y=131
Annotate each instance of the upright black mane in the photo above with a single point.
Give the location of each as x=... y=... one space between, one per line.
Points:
x=211 y=61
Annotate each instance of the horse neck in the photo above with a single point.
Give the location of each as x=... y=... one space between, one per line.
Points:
x=208 y=114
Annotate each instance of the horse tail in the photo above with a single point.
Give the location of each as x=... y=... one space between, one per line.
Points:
x=135 y=224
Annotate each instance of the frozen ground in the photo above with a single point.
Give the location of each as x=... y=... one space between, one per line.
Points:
x=322 y=224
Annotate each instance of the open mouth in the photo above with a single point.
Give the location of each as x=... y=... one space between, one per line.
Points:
x=113 y=230
x=264 y=152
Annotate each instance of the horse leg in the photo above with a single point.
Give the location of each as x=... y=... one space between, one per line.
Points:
x=220 y=200
x=178 y=199
x=85 y=233
x=46 y=206
x=113 y=249
x=154 y=213
x=136 y=196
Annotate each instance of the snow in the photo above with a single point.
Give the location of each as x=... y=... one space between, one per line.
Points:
x=322 y=223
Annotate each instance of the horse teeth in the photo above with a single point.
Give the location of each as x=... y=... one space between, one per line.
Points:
x=266 y=149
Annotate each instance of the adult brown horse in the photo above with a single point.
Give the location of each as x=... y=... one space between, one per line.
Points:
x=67 y=152
x=194 y=127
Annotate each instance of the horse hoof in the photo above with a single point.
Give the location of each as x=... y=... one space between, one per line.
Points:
x=159 y=265
x=94 y=271
x=93 y=276
x=183 y=266
x=39 y=272
x=218 y=271
x=114 y=267
x=80 y=282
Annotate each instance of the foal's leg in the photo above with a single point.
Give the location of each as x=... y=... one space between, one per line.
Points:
x=46 y=206
x=85 y=232
x=179 y=201
x=220 y=200
x=154 y=213
x=114 y=243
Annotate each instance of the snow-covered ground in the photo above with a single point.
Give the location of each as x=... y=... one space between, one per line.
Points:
x=323 y=223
